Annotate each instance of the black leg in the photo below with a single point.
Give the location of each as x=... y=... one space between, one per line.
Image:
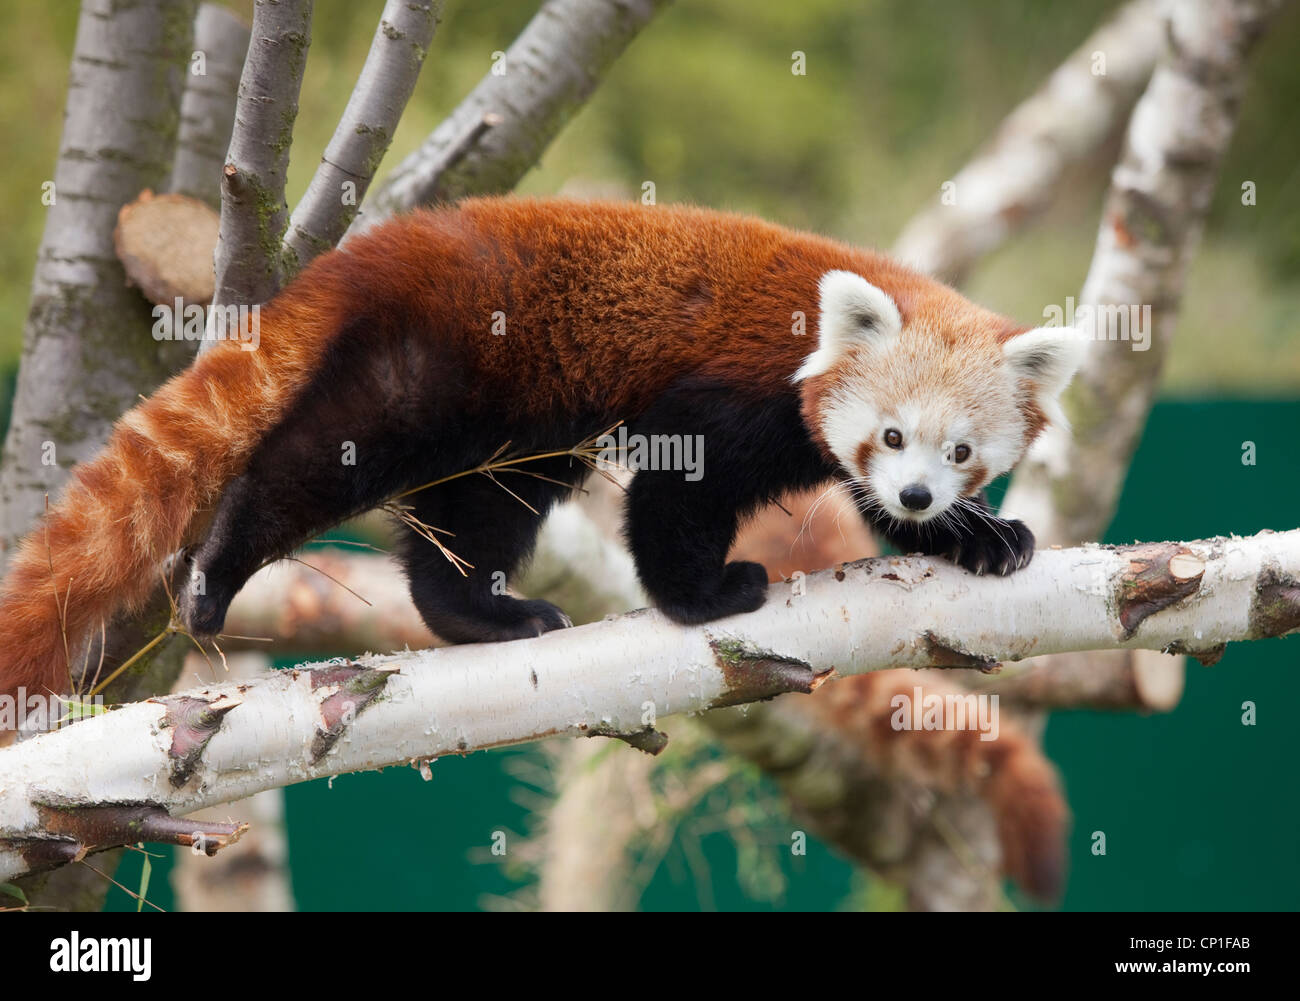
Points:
x=681 y=522
x=495 y=532
x=680 y=538
x=970 y=534
x=302 y=480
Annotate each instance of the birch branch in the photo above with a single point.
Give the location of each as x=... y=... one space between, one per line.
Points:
x=943 y=830
x=500 y=130
x=1150 y=228
x=172 y=756
x=208 y=106
x=1016 y=174
x=254 y=876
x=364 y=132
x=254 y=214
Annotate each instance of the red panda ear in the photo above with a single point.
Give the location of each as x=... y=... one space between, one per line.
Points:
x=1046 y=358
x=851 y=311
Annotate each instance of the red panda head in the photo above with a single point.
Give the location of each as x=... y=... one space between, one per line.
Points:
x=922 y=412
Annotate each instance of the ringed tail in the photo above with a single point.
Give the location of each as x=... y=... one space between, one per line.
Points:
x=98 y=552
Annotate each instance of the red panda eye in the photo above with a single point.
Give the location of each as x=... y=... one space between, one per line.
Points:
x=894 y=438
x=961 y=453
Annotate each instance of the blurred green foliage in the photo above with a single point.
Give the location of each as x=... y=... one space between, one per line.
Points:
x=704 y=104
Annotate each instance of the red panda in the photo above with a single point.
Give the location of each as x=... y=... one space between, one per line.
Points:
x=420 y=348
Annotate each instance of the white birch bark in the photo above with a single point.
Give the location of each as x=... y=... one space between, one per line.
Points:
x=126 y=774
x=1019 y=170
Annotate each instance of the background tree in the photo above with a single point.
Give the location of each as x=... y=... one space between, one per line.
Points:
x=677 y=165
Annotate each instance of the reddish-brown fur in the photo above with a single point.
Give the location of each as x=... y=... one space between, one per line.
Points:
x=1010 y=773
x=617 y=301
x=100 y=548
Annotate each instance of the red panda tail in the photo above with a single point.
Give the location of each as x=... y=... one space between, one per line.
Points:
x=98 y=551
x=1010 y=773
x=1024 y=793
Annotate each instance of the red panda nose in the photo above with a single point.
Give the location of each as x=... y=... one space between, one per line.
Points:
x=915 y=497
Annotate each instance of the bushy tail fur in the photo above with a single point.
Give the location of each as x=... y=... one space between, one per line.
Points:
x=99 y=551
x=1010 y=773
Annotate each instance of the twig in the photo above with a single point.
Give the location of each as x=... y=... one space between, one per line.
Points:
x=253 y=210
x=361 y=139
x=500 y=130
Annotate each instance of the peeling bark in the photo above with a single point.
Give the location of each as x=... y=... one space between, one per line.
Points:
x=1276 y=606
x=193 y=722
x=753 y=675
x=1158 y=576
x=353 y=690
x=599 y=677
x=948 y=653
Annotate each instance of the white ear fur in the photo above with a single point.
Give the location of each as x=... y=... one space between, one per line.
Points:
x=1046 y=357
x=852 y=310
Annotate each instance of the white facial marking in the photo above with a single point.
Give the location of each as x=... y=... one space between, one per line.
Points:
x=938 y=394
x=1048 y=357
x=923 y=461
x=851 y=311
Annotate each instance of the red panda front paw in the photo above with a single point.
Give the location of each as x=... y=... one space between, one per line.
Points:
x=996 y=546
x=743 y=588
x=539 y=617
